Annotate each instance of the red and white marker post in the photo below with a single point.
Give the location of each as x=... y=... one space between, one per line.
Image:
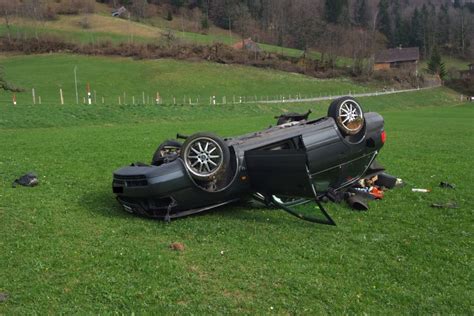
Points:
x=158 y=99
x=89 y=96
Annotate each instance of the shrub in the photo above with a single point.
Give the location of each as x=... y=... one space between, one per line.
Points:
x=85 y=22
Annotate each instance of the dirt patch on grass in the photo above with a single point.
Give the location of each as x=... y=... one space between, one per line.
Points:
x=177 y=246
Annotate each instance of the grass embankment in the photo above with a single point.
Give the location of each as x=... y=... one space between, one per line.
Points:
x=67 y=247
x=111 y=77
x=100 y=29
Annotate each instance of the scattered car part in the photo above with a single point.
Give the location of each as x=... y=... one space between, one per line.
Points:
x=292 y=117
x=357 y=202
x=420 y=190
x=446 y=185
x=28 y=180
x=304 y=159
x=386 y=180
x=376 y=193
x=445 y=205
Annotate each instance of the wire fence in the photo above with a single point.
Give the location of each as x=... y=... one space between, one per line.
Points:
x=144 y=98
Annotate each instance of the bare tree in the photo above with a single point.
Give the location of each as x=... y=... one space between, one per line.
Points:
x=139 y=8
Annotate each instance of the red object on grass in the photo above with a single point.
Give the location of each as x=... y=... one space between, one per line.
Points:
x=376 y=193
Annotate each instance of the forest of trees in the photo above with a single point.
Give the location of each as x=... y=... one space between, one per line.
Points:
x=353 y=28
x=344 y=27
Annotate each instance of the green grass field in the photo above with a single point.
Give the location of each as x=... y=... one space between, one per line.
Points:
x=111 y=77
x=67 y=247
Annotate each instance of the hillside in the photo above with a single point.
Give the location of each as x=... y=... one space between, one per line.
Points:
x=101 y=27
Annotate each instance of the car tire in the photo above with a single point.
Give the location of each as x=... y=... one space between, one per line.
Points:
x=160 y=154
x=348 y=114
x=206 y=156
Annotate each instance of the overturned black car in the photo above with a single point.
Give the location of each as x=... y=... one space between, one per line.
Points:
x=294 y=162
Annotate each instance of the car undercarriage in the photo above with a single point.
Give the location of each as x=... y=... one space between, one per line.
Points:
x=292 y=163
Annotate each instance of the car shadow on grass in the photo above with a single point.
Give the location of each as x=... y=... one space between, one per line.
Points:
x=105 y=204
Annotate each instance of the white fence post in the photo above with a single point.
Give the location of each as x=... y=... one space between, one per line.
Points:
x=61 y=96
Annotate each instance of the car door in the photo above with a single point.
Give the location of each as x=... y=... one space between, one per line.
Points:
x=280 y=168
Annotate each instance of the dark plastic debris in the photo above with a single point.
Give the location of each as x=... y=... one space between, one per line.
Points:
x=386 y=180
x=292 y=117
x=357 y=202
x=28 y=180
x=446 y=185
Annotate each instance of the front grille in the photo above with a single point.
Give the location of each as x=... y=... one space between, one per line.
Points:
x=130 y=177
x=138 y=183
x=130 y=181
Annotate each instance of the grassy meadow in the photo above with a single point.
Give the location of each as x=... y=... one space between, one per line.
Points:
x=67 y=247
x=112 y=77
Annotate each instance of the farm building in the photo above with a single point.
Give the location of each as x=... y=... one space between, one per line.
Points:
x=247 y=44
x=397 y=58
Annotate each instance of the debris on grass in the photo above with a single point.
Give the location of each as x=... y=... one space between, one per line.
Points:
x=357 y=202
x=445 y=205
x=399 y=183
x=178 y=246
x=3 y=297
x=420 y=190
x=446 y=185
x=27 y=180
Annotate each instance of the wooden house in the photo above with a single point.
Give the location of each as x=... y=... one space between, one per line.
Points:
x=397 y=58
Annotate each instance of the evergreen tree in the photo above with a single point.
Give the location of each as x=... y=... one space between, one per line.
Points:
x=444 y=25
x=333 y=10
x=177 y=3
x=361 y=13
x=384 y=23
x=416 y=34
x=425 y=30
x=436 y=65
x=398 y=34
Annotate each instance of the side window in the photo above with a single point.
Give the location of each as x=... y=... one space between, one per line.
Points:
x=292 y=143
x=280 y=146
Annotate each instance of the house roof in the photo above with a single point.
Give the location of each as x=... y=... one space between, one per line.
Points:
x=397 y=54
